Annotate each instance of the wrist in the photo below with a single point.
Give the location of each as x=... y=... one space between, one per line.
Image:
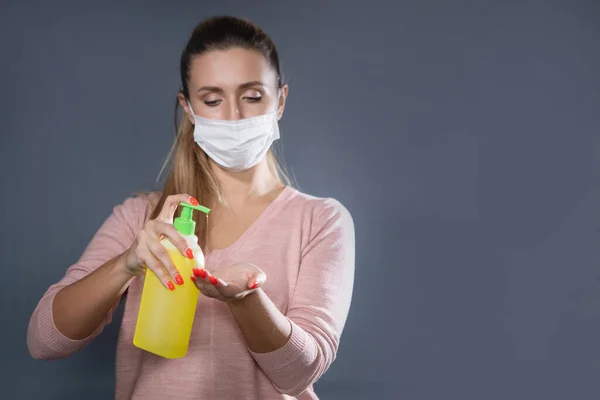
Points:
x=245 y=301
x=119 y=270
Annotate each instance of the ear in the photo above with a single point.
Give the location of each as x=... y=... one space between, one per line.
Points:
x=283 y=94
x=184 y=104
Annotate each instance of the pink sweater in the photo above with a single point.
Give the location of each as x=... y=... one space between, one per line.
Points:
x=304 y=244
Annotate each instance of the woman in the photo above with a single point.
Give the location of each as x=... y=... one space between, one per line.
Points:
x=277 y=283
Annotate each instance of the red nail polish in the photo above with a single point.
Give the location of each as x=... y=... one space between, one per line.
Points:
x=199 y=272
x=189 y=253
x=179 y=279
x=213 y=280
x=254 y=285
x=193 y=201
x=193 y=278
x=170 y=285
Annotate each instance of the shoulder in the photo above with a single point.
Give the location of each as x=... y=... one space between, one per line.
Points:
x=137 y=208
x=320 y=212
x=327 y=227
x=326 y=206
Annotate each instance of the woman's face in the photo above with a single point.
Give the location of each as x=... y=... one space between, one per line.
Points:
x=233 y=84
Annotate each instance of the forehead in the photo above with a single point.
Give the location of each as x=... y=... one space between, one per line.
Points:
x=229 y=68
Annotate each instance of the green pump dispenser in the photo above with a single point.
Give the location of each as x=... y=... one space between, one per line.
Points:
x=185 y=223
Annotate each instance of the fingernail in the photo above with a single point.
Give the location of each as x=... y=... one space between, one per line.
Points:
x=199 y=272
x=254 y=285
x=193 y=278
x=189 y=253
x=213 y=280
x=170 y=285
x=178 y=279
x=193 y=201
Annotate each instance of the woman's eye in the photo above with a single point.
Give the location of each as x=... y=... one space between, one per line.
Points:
x=253 y=99
x=212 y=103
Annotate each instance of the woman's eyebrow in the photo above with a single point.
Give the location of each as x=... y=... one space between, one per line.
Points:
x=210 y=89
x=250 y=84
x=220 y=90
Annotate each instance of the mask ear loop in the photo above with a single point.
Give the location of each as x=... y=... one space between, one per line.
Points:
x=191 y=109
x=277 y=103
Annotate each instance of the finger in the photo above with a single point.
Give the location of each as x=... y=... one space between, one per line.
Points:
x=169 y=231
x=171 y=203
x=200 y=283
x=160 y=253
x=257 y=280
x=153 y=264
x=200 y=273
x=215 y=281
x=225 y=290
x=218 y=282
x=208 y=282
x=207 y=289
x=202 y=276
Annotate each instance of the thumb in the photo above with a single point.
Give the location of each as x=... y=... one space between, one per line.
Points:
x=256 y=280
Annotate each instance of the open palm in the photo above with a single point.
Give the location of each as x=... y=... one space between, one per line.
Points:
x=229 y=283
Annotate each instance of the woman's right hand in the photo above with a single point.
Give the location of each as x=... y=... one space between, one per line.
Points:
x=147 y=251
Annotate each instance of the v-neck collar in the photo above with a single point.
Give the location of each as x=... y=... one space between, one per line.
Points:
x=269 y=212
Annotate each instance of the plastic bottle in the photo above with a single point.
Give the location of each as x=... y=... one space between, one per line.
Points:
x=166 y=317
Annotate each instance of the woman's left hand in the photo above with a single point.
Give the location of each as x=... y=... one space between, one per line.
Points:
x=230 y=283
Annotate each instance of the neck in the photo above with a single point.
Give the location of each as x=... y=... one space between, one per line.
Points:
x=240 y=187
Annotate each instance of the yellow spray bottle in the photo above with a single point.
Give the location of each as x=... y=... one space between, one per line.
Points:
x=166 y=317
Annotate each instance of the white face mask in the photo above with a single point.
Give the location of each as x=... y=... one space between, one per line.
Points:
x=236 y=145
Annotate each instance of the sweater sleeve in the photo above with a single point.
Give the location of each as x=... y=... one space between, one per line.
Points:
x=115 y=236
x=320 y=303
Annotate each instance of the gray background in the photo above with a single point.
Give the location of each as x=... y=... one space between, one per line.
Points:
x=463 y=136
